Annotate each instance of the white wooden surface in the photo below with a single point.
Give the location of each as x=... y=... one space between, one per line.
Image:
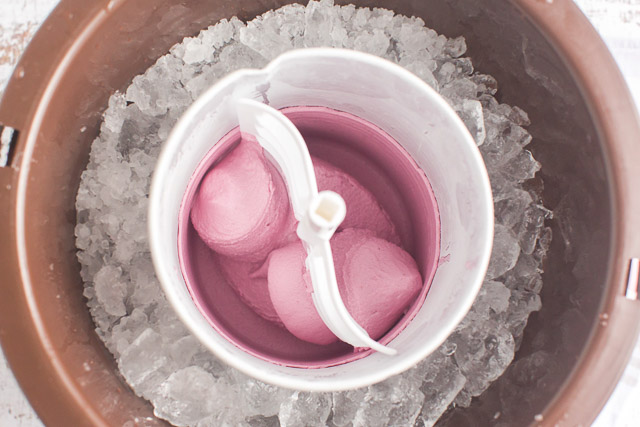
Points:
x=618 y=21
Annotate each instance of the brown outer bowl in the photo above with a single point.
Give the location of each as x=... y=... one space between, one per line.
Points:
x=53 y=388
x=616 y=116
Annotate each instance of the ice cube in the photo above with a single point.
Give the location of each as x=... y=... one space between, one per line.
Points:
x=111 y=291
x=142 y=358
x=195 y=51
x=493 y=296
x=375 y=42
x=258 y=398
x=396 y=401
x=530 y=226
x=442 y=384
x=484 y=352
x=509 y=211
x=521 y=167
x=303 y=408
x=505 y=252
x=470 y=111
x=346 y=405
x=319 y=17
x=187 y=396
x=455 y=47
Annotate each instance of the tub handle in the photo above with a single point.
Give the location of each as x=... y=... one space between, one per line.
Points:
x=633 y=279
x=8 y=140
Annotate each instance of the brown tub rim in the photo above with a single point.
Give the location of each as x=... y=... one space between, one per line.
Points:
x=59 y=401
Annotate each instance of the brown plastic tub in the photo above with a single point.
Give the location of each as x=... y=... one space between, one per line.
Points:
x=548 y=60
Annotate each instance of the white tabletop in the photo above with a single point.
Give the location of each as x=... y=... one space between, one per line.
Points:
x=618 y=22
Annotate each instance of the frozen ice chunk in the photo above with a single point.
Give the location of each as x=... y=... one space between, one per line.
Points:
x=445 y=73
x=195 y=51
x=484 y=352
x=319 y=17
x=455 y=47
x=187 y=396
x=519 y=116
x=142 y=359
x=396 y=401
x=500 y=146
x=521 y=167
x=114 y=116
x=147 y=286
x=159 y=88
x=530 y=227
x=442 y=384
x=380 y=19
x=258 y=398
x=127 y=329
x=522 y=304
x=493 y=300
x=269 y=38
x=413 y=38
x=495 y=295
x=525 y=275
x=110 y=290
x=408 y=401
x=361 y=18
x=183 y=350
x=376 y=42
x=346 y=405
x=486 y=84
x=225 y=416
x=519 y=135
x=470 y=111
x=509 y=211
x=237 y=55
x=505 y=252
x=422 y=65
x=218 y=35
x=303 y=408
x=203 y=81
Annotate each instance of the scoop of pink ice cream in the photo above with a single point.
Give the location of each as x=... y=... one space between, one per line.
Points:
x=250 y=283
x=242 y=205
x=377 y=279
x=363 y=210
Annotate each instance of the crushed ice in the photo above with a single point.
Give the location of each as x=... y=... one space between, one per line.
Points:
x=156 y=354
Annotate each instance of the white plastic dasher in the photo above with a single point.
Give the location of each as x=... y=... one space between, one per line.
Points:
x=319 y=214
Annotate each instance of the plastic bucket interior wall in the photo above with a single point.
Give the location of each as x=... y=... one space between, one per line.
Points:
x=585 y=133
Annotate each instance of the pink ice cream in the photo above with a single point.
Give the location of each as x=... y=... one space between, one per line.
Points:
x=242 y=207
x=242 y=212
x=249 y=280
x=363 y=211
x=377 y=281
